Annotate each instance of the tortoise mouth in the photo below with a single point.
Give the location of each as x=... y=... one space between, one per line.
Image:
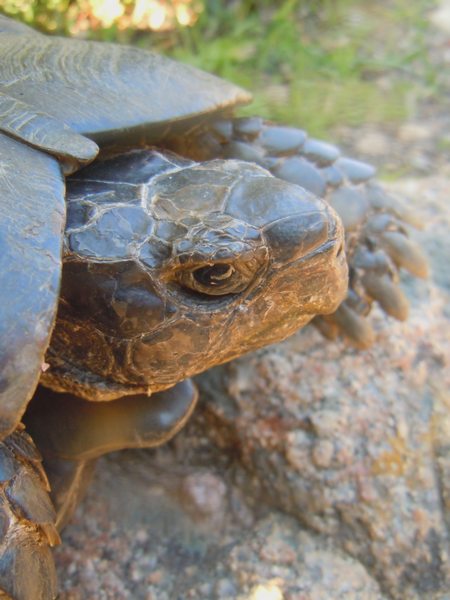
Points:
x=70 y=378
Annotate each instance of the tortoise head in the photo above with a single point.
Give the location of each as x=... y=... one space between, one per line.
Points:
x=169 y=274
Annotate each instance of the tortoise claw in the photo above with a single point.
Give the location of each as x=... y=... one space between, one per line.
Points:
x=405 y=253
x=327 y=327
x=244 y=151
x=355 y=327
x=380 y=200
x=388 y=295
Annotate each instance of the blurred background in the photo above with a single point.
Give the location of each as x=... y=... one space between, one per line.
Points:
x=345 y=70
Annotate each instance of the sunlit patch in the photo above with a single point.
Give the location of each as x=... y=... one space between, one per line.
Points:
x=154 y=15
x=266 y=591
x=107 y=11
x=160 y=15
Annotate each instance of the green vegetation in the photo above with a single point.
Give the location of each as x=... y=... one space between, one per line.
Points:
x=345 y=62
x=324 y=63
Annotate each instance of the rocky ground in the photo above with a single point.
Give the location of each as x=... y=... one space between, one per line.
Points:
x=311 y=471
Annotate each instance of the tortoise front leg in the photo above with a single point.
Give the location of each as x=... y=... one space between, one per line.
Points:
x=71 y=433
x=27 y=522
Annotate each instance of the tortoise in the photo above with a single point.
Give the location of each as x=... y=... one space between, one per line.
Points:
x=193 y=237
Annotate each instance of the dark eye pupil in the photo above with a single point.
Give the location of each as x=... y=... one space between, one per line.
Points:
x=213 y=275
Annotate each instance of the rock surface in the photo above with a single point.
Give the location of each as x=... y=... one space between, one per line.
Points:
x=310 y=470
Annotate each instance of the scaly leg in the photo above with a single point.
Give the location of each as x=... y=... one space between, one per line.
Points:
x=27 y=522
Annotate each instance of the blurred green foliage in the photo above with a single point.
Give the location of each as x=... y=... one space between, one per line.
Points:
x=321 y=63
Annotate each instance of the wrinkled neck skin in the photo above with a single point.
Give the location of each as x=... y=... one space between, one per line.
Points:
x=172 y=267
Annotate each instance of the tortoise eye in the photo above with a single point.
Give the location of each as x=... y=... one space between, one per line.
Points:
x=217 y=279
x=214 y=275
